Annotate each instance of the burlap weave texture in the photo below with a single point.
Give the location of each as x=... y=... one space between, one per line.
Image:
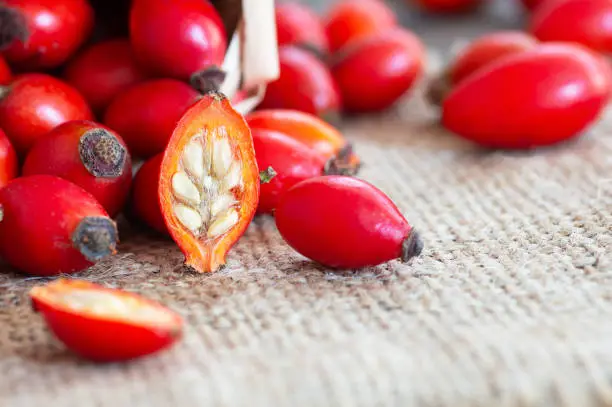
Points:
x=510 y=304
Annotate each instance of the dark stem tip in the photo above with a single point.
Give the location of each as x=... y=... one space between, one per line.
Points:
x=102 y=153
x=412 y=246
x=437 y=90
x=96 y=238
x=267 y=175
x=208 y=80
x=13 y=27
x=344 y=163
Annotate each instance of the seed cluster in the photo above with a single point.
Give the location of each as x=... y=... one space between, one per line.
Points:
x=205 y=185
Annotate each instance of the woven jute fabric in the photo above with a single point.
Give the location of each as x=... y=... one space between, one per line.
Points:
x=510 y=303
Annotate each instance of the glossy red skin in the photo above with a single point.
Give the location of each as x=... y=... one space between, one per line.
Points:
x=304 y=84
x=58 y=154
x=176 y=38
x=6 y=75
x=57 y=29
x=105 y=340
x=341 y=222
x=104 y=70
x=292 y=161
x=9 y=167
x=145 y=114
x=532 y=4
x=448 y=6
x=35 y=104
x=373 y=73
x=297 y=24
x=586 y=22
x=145 y=202
x=535 y=98
x=40 y=214
x=349 y=20
x=487 y=49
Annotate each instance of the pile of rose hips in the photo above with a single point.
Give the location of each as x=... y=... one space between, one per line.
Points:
x=82 y=96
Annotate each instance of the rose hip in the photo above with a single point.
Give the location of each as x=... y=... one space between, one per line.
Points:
x=478 y=54
x=319 y=136
x=209 y=185
x=305 y=84
x=532 y=4
x=344 y=222
x=374 y=72
x=51 y=226
x=177 y=38
x=297 y=24
x=5 y=72
x=144 y=204
x=33 y=104
x=146 y=114
x=448 y=6
x=40 y=34
x=522 y=101
x=104 y=70
x=8 y=160
x=586 y=22
x=356 y=19
x=105 y=324
x=89 y=155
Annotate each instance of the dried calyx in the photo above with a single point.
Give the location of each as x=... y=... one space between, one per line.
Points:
x=437 y=89
x=209 y=80
x=13 y=27
x=96 y=238
x=207 y=185
x=344 y=163
x=412 y=246
x=102 y=154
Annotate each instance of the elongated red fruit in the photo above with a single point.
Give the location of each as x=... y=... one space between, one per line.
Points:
x=586 y=22
x=344 y=222
x=104 y=70
x=6 y=75
x=146 y=114
x=297 y=24
x=535 y=98
x=105 y=324
x=41 y=34
x=144 y=204
x=305 y=84
x=50 y=226
x=88 y=154
x=8 y=160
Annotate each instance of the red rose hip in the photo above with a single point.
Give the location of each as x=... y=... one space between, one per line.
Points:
x=33 y=104
x=8 y=160
x=104 y=70
x=146 y=114
x=5 y=72
x=344 y=222
x=42 y=34
x=373 y=73
x=105 y=324
x=177 y=38
x=51 y=226
x=534 y=98
x=144 y=203
x=89 y=155
x=305 y=84
x=297 y=24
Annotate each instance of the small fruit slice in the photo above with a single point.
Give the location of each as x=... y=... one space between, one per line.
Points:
x=104 y=324
x=209 y=182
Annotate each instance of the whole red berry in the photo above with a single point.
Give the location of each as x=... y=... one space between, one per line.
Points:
x=33 y=104
x=51 y=226
x=344 y=222
x=374 y=72
x=38 y=34
x=5 y=72
x=304 y=84
x=104 y=70
x=146 y=114
x=586 y=22
x=89 y=155
x=355 y=19
x=534 y=98
x=177 y=38
x=8 y=160
x=297 y=24
x=144 y=202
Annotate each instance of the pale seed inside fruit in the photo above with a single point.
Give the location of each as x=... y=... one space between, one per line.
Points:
x=205 y=187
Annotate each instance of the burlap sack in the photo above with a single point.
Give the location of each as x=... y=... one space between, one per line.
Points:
x=510 y=304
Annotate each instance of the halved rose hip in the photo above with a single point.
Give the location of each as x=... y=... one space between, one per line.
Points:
x=209 y=184
x=103 y=324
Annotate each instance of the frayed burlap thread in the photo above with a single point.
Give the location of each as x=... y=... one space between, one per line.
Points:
x=510 y=304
